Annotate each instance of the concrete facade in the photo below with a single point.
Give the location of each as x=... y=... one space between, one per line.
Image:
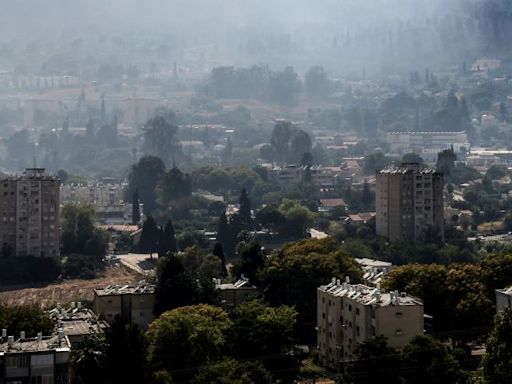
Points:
x=348 y=315
x=42 y=360
x=409 y=203
x=29 y=213
x=133 y=303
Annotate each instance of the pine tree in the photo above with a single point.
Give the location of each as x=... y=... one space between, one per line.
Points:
x=135 y=208
x=219 y=252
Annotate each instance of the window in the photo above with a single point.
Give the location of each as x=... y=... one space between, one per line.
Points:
x=399 y=332
x=358 y=331
x=350 y=307
x=357 y=311
x=399 y=314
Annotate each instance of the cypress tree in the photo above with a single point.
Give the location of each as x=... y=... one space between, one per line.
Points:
x=245 y=207
x=135 y=208
x=168 y=240
x=150 y=236
x=219 y=252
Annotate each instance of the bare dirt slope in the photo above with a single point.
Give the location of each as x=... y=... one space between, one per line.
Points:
x=69 y=290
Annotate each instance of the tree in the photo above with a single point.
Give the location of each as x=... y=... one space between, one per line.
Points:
x=224 y=237
x=187 y=337
x=175 y=286
x=230 y=371
x=25 y=318
x=446 y=161
x=159 y=138
x=259 y=330
x=245 y=208
x=126 y=353
x=284 y=86
x=135 y=208
x=412 y=158
x=427 y=360
x=270 y=217
x=316 y=82
x=298 y=219
x=168 y=240
x=251 y=260
x=219 y=252
x=292 y=274
x=281 y=135
x=79 y=234
x=175 y=185
x=88 y=361
x=300 y=144
x=150 y=236
x=375 y=362
x=497 y=362
x=375 y=162
x=496 y=172
x=144 y=178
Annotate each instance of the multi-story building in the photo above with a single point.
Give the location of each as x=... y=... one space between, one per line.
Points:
x=132 y=303
x=427 y=144
x=41 y=359
x=233 y=294
x=29 y=213
x=348 y=315
x=409 y=203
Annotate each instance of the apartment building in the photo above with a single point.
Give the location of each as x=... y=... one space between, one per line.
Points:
x=29 y=213
x=233 y=294
x=41 y=360
x=77 y=322
x=409 y=203
x=133 y=303
x=349 y=314
x=427 y=144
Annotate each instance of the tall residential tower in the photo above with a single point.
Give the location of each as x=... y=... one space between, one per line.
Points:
x=409 y=203
x=29 y=213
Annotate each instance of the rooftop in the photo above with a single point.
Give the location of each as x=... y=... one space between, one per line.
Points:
x=242 y=283
x=366 y=295
x=34 y=344
x=373 y=263
x=113 y=290
x=31 y=174
x=407 y=168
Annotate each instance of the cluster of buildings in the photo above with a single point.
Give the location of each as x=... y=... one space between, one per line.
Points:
x=107 y=198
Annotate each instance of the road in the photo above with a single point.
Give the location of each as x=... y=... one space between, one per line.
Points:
x=139 y=262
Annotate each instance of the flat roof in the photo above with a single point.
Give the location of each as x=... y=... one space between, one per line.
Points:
x=114 y=290
x=47 y=344
x=366 y=295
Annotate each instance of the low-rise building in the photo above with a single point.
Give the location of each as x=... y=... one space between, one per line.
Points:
x=233 y=294
x=77 y=322
x=132 y=303
x=374 y=270
x=349 y=314
x=503 y=298
x=34 y=360
x=427 y=144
